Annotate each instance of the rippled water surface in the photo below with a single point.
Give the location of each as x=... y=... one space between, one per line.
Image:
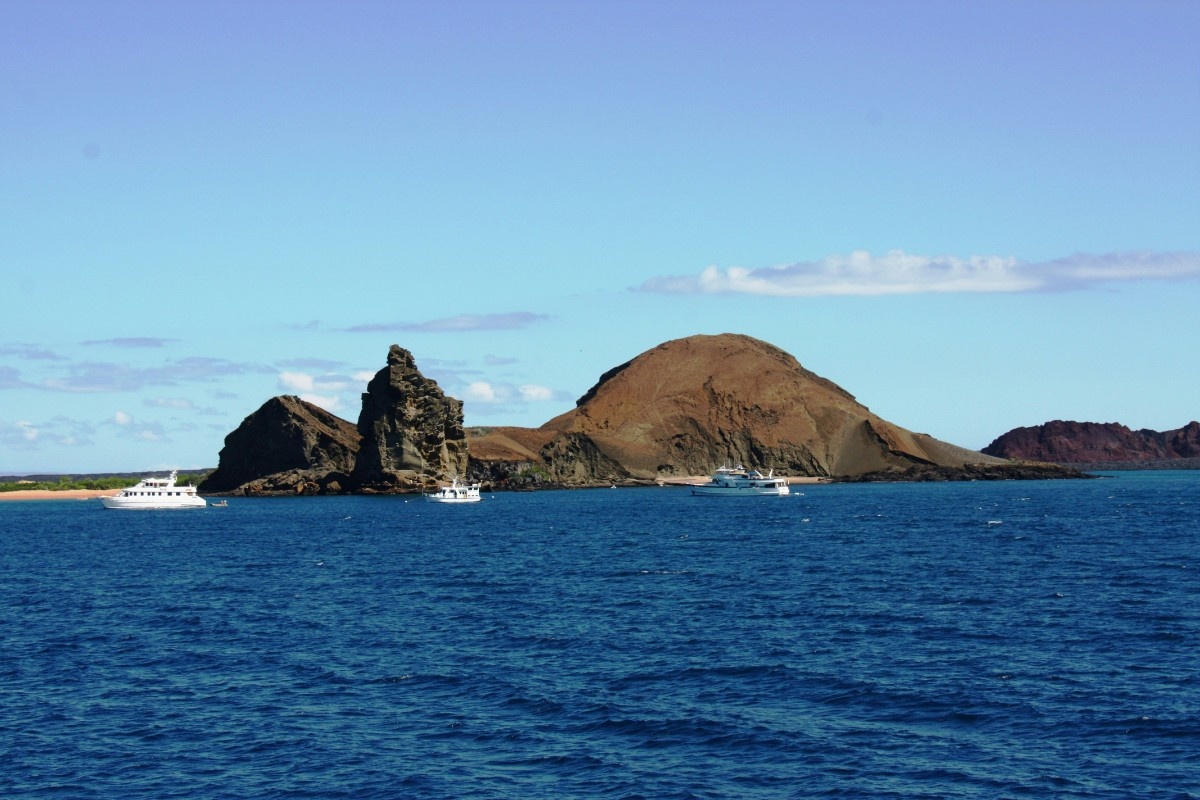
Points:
x=971 y=640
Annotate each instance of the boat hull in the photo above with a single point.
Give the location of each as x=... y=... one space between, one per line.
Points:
x=152 y=504
x=741 y=482
x=740 y=491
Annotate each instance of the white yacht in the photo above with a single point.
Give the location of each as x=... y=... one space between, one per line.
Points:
x=455 y=493
x=155 y=493
x=741 y=482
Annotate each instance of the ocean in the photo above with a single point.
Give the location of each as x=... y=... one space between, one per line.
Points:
x=946 y=640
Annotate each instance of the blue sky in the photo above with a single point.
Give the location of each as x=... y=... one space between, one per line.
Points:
x=971 y=216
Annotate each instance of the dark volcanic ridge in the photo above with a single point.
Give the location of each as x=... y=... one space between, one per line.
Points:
x=1091 y=444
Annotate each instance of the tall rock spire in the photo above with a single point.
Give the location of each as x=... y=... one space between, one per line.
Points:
x=411 y=430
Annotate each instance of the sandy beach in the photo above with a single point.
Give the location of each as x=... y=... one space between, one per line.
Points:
x=55 y=494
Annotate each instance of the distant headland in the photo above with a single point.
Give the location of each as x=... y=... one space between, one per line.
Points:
x=1109 y=445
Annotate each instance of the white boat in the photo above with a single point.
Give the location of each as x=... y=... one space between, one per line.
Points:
x=741 y=482
x=455 y=493
x=153 y=493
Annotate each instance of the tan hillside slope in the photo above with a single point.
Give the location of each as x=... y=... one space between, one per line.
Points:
x=690 y=405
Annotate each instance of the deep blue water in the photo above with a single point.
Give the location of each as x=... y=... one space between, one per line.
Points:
x=966 y=640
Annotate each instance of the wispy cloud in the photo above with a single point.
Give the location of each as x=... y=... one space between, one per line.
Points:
x=26 y=435
x=93 y=376
x=173 y=403
x=19 y=435
x=1083 y=270
x=313 y=363
x=132 y=342
x=11 y=379
x=129 y=427
x=463 y=322
x=32 y=352
x=897 y=272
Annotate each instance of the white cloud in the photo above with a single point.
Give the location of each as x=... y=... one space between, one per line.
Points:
x=331 y=403
x=27 y=431
x=534 y=393
x=320 y=390
x=295 y=381
x=121 y=418
x=332 y=383
x=896 y=272
x=483 y=392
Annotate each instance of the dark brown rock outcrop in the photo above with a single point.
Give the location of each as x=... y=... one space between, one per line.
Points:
x=1066 y=442
x=1005 y=471
x=690 y=405
x=412 y=432
x=287 y=446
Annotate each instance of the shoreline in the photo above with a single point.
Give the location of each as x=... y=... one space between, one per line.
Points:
x=55 y=494
x=89 y=494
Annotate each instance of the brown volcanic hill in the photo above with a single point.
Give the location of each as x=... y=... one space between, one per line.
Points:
x=286 y=446
x=690 y=405
x=1066 y=442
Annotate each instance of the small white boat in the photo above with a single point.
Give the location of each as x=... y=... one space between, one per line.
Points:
x=455 y=493
x=741 y=482
x=155 y=493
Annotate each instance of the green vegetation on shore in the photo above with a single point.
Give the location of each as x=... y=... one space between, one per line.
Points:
x=68 y=482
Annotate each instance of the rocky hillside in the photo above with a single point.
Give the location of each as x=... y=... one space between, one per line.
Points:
x=287 y=445
x=690 y=405
x=1065 y=442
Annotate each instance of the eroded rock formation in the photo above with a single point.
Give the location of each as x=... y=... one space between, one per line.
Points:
x=411 y=431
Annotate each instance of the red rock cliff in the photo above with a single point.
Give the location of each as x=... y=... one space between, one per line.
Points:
x=1067 y=442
